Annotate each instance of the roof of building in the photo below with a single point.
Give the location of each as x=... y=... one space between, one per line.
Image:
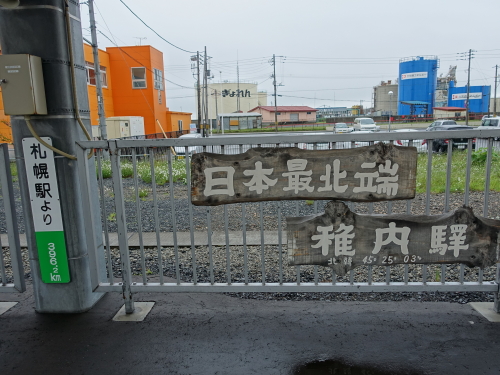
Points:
x=285 y=108
x=237 y=114
x=450 y=109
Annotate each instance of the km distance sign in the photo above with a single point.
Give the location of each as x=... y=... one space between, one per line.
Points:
x=343 y=240
x=46 y=211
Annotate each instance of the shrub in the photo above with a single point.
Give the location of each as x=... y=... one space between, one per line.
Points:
x=479 y=156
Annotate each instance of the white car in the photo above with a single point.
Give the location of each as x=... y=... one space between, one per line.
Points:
x=341 y=127
x=181 y=151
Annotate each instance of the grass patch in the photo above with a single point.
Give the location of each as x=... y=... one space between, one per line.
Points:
x=161 y=171
x=458 y=172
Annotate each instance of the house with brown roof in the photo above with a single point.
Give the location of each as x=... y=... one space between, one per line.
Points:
x=286 y=114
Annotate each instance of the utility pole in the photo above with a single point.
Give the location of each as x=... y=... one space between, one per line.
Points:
x=97 y=69
x=205 y=85
x=50 y=33
x=495 y=95
x=467 y=107
x=238 y=84
x=275 y=96
x=198 y=90
x=216 y=112
x=467 y=56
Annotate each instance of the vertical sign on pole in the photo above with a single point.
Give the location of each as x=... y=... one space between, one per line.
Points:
x=46 y=210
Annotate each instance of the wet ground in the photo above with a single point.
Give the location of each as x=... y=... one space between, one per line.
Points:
x=218 y=334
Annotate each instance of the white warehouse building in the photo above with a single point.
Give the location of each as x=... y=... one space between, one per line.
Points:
x=229 y=97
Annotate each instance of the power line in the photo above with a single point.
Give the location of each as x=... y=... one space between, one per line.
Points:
x=137 y=61
x=149 y=27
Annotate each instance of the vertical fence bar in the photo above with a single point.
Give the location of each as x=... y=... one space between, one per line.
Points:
x=428 y=195
x=172 y=211
x=210 y=248
x=104 y=216
x=408 y=202
x=262 y=242
x=88 y=214
x=245 y=249
x=467 y=172
x=139 y=217
x=448 y=177
x=122 y=227
x=226 y=232
x=244 y=228
x=11 y=220
x=157 y=221
x=280 y=243
x=443 y=273
x=191 y=224
x=488 y=177
x=3 y=274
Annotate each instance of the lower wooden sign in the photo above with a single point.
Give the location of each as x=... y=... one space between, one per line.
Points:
x=343 y=240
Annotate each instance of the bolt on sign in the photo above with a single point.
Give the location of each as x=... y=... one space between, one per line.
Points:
x=365 y=174
x=343 y=240
x=46 y=211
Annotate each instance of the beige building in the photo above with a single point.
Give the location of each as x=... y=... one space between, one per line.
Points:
x=383 y=102
x=229 y=97
x=286 y=114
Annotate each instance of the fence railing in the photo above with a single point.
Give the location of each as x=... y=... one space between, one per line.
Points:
x=11 y=265
x=156 y=240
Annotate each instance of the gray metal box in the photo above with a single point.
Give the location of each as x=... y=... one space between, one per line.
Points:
x=23 y=90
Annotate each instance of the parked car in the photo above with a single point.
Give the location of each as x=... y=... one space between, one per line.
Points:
x=441 y=123
x=341 y=127
x=365 y=123
x=418 y=143
x=181 y=151
x=441 y=145
x=491 y=123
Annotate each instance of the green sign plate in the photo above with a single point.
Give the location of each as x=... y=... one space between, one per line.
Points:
x=52 y=257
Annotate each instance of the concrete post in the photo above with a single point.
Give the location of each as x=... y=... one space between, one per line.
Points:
x=38 y=27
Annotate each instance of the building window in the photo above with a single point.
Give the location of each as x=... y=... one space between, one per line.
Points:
x=158 y=77
x=279 y=113
x=91 y=74
x=138 y=78
x=179 y=124
x=308 y=113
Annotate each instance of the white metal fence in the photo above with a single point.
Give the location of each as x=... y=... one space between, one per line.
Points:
x=156 y=240
x=11 y=265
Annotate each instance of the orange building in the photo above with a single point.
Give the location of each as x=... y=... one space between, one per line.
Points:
x=133 y=85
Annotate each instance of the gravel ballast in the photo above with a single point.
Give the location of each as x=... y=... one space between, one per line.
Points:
x=270 y=253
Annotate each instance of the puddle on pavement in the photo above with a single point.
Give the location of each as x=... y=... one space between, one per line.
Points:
x=339 y=368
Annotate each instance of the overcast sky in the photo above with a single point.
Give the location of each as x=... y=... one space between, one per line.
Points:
x=334 y=51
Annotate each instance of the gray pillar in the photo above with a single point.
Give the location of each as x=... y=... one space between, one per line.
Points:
x=37 y=27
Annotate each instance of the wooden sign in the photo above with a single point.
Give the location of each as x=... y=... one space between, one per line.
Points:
x=343 y=240
x=364 y=174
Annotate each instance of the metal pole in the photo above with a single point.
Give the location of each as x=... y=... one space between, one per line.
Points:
x=205 y=85
x=97 y=69
x=47 y=37
x=216 y=113
x=275 y=96
x=198 y=90
x=468 y=91
x=495 y=93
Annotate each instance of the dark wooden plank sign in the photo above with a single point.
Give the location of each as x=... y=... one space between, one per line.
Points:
x=364 y=174
x=343 y=240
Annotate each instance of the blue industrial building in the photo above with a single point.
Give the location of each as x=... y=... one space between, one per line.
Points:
x=479 y=97
x=417 y=85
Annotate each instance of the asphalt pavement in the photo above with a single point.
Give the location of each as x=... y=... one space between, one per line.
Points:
x=220 y=334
